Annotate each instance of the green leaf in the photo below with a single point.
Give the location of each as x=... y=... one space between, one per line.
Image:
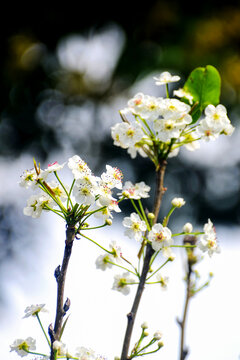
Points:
x=204 y=84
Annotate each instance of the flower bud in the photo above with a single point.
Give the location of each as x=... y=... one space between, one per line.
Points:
x=108 y=222
x=151 y=216
x=157 y=335
x=187 y=227
x=145 y=333
x=172 y=257
x=125 y=193
x=178 y=202
x=160 y=344
x=144 y=325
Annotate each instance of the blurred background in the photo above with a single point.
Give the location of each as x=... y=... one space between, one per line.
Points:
x=65 y=72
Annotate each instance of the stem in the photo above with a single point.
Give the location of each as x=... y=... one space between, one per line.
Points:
x=70 y=236
x=131 y=316
x=159 y=191
x=40 y=323
x=183 y=350
x=101 y=247
x=146 y=263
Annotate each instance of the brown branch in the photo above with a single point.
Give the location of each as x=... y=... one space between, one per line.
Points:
x=183 y=350
x=131 y=316
x=191 y=260
x=60 y=274
x=159 y=190
x=149 y=252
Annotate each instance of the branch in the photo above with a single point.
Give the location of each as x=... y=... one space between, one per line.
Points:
x=60 y=274
x=160 y=190
x=146 y=264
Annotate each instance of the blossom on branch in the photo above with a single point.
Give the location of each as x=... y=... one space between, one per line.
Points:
x=208 y=241
x=160 y=237
x=121 y=283
x=22 y=347
x=33 y=310
x=165 y=78
x=134 y=226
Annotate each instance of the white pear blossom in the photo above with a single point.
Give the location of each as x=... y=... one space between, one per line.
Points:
x=30 y=178
x=175 y=109
x=190 y=141
x=58 y=190
x=163 y=280
x=147 y=107
x=83 y=353
x=228 y=130
x=116 y=130
x=160 y=237
x=102 y=262
x=105 y=194
x=208 y=241
x=60 y=347
x=116 y=250
x=183 y=93
x=130 y=134
x=33 y=310
x=54 y=167
x=137 y=149
x=36 y=203
x=22 y=346
x=85 y=190
x=136 y=192
x=208 y=131
x=217 y=115
x=165 y=78
x=134 y=226
x=178 y=202
x=113 y=177
x=121 y=283
x=166 y=129
x=79 y=167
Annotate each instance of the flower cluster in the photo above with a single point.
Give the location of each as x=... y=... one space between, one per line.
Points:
x=85 y=191
x=167 y=123
x=208 y=241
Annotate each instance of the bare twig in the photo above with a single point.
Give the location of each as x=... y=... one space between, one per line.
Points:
x=190 y=261
x=60 y=275
x=149 y=252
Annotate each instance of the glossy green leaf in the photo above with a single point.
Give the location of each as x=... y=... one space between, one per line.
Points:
x=204 y=84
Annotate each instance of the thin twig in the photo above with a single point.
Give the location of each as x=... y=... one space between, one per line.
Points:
x=61 y=276
x=146 y=264
x=183 y=350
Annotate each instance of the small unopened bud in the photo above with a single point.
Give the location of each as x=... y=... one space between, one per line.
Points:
x=151 y=216
x=144 y=325
x=178 y=202
x=145 y=333
x=160 y=344
x=57 y=272
x=172 y=257
x=211 y=274
x=66 y=305
x=108 y=222
x=125 y=194
x=187 y=227
x=157 y=335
